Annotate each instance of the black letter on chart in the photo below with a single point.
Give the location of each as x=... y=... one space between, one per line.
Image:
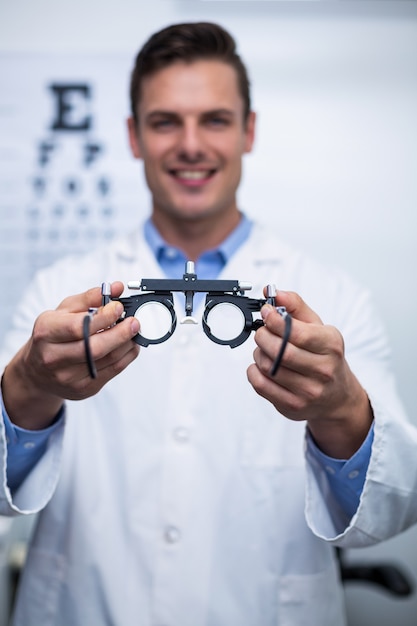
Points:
x=71 y=101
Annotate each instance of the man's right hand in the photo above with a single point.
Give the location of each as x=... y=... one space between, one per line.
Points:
x=51 y=366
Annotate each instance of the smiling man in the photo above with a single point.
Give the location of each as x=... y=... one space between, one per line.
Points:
x=190 y=486
x=191 y=129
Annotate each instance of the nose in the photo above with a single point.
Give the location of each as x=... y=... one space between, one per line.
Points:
x=191 y=146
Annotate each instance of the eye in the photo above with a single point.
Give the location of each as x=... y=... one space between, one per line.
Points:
x=162 y=124
x=218 y=121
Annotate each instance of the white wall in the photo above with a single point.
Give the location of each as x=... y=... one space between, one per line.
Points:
x=335 y=164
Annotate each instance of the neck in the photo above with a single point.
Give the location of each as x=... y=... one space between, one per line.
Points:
x=195 y=236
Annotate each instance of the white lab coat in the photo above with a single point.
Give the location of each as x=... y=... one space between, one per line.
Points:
x=177 y=496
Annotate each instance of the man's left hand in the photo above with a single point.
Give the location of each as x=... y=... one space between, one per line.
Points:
x=314 y=382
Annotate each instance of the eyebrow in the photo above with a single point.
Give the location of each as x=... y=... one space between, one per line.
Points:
x=226 y=112
x=174 y=114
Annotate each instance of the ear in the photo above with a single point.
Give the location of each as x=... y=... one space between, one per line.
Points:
x=133 y=138
x=250 y=131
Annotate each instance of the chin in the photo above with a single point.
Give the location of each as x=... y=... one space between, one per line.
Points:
x=192 y=212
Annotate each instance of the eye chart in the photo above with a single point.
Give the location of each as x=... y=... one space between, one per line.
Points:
x=67 y=179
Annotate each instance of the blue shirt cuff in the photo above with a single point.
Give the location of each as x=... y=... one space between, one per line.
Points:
x=25 y=447
x=346 y=478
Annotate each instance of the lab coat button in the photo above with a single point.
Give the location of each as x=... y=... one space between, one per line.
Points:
x=181 y=435
x=172 y=534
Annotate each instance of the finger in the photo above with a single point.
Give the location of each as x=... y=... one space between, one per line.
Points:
x=295 y=374
x=270 y=344
x=62 y=327
x=90 y=298
x=296 y=306
x=112 y=339
x=68 y=361
x=114 y=360
x=294 y=360
x=117 y=360
x=313 y=337
x=296 y=364
x=283 y=399
x=105 y=317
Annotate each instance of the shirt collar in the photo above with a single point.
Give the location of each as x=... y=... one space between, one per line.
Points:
x=225 y=249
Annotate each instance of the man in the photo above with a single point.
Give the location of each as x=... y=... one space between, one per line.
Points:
x=170 y=491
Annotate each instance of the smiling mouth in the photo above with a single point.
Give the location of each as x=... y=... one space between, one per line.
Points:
x=193 y=175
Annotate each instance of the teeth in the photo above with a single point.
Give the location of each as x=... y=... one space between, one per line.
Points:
x=192 y=174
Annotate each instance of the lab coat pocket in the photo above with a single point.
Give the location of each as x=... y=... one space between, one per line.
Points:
x=311 y=600
x=40 y=586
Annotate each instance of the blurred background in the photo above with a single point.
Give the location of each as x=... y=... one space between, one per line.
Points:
x=334 y=168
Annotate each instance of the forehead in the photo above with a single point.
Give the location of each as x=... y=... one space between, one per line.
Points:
x=196 y=86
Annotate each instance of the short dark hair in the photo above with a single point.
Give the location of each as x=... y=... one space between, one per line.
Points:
x=188 y=42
